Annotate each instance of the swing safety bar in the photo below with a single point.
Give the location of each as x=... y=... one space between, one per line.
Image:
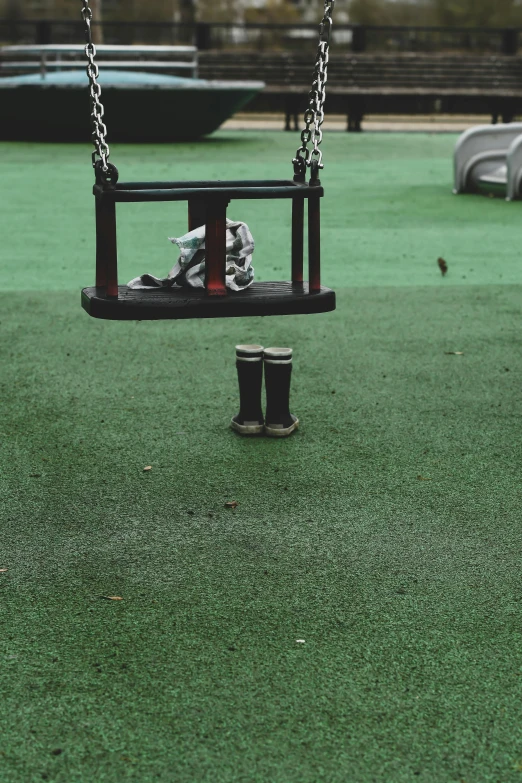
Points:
x=184 y=191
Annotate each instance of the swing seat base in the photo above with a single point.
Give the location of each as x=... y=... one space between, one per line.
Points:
x=262 y=298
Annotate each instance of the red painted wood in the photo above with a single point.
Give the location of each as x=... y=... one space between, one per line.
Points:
x=215 y=248
x=297 y=240
x=106 y=246
x=314 y=244
x=101 y=265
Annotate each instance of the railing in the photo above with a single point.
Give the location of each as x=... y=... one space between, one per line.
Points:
x=269 y=37
x=27 y=58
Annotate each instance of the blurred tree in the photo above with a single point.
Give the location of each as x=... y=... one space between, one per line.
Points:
x=97 y=29
x=451 y=13
x=367 y=11
x=392 y=12
x=273 y=11
x=13 y=10
x=478 y=13
x=467 y=13
x=219 y=10
x=145 y=10
x=187 y=11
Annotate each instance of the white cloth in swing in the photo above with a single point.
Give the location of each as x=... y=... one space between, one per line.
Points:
x=189 y=269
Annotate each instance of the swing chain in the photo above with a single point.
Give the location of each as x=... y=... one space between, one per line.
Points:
x=99 y=129
x=314 y=114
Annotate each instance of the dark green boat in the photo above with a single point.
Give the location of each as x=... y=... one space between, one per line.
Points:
x=139 y=107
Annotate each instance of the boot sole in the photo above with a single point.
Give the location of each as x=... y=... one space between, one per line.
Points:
x=274 y=432
x=247 y=429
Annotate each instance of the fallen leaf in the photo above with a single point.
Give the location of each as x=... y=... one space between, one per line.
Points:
x=149 y=467
x=454 y=353
x=231 y=504
x=423 y=478
x=442 y=266
x=112 y=597
x=3 y=570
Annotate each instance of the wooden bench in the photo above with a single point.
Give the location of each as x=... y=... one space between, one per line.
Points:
x=170 y=59
x=360 y=84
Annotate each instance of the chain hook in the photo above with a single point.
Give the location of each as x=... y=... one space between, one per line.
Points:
x=106 y=177
x=299 y=169
x=315 y=165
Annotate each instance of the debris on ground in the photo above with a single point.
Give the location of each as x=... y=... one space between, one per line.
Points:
x=231 y=504
x=149 y=467
x=442 y=266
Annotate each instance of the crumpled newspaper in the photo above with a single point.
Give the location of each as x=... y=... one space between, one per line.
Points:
x=190 y=267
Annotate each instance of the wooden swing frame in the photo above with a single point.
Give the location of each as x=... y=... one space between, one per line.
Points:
x=207 y=205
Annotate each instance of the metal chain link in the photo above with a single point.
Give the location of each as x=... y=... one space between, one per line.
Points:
x=99 y=129
x=314 y=115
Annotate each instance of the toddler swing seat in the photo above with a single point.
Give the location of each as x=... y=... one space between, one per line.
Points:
x=207 y=205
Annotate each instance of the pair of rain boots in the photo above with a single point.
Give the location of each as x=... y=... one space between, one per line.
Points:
x=279 y=422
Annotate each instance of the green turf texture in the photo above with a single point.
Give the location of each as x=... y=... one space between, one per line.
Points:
x=386 y=533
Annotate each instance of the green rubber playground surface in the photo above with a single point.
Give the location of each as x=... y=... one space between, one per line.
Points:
x=386 y=533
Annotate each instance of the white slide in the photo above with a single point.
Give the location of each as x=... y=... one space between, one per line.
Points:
x=488 y=159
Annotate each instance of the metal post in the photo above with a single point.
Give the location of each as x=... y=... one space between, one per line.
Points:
x=106 y=248
x=358 y=38
x=203 y=36
x=314 y=244
x=509 y=41
x=43 y=65
x=43 y=32
x=215 y=248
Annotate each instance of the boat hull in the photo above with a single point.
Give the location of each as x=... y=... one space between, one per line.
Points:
x=164 y=109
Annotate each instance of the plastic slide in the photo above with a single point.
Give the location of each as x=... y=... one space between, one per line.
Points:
x=488 y=160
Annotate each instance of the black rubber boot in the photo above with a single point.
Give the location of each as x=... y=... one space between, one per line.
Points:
x=249 y=363
x=279 y=422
